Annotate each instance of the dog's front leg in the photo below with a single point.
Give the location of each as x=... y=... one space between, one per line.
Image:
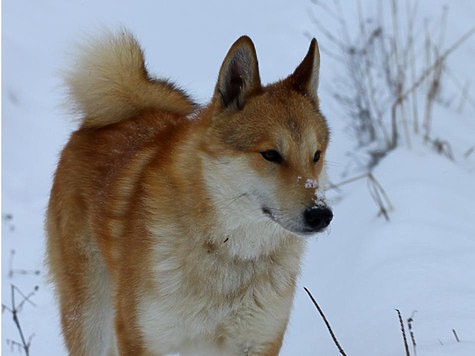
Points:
x=270 y=348
x=257 y=329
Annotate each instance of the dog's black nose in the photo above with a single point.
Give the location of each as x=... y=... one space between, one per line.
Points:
x=318 y=217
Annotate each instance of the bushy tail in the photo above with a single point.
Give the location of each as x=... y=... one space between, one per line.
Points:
x=109 y=83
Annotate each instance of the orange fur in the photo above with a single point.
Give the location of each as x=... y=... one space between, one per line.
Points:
x=173 y=233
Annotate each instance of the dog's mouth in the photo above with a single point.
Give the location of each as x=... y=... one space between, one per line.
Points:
x=296 y=229
x=268 y=212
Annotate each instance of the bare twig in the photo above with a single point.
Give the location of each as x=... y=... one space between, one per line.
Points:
x=403 y=330
x=469 y=152
x=12 y=271
x=8 y=219
x=379 y=196
x=326 y=322
x=14 y=310
x=443 y=147
x=464 y=90
x=436 y=75
x=412 y=67
x=439 y=59
x=347 y=181
x=464 y=97
x=376 y=191
x=410 y=320
x=382 y=83
x=456 y=336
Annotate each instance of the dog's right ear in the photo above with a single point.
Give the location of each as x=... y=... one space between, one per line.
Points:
x=238 y=76
x=305 y=78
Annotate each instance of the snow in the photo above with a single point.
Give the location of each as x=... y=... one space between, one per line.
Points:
x=310 y=183
x=360 y=271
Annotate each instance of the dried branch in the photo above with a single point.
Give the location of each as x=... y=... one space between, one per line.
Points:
x=376 y=191
x=381 y=84
x=469 y=152
x=443 y=147
x=403 y=330
x=12 y=271
x=326 y=322
x=379 y=196
x=410 y=320
x=14 y=310
x=456 y=336
x=437 y=62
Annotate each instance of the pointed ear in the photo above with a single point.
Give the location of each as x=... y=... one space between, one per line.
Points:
x=305 y=77
x=238 y=76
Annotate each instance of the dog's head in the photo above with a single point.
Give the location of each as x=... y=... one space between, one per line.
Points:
x=269 y=142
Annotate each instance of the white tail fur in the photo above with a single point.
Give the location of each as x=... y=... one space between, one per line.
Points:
x=109 y=83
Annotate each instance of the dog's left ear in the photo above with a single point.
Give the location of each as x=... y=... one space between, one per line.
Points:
x=238 y=76
x=305 y=78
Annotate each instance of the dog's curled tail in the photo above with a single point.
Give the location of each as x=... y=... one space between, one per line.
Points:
x=109 y=83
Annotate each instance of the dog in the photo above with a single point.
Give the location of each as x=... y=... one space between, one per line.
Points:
x=178 y=228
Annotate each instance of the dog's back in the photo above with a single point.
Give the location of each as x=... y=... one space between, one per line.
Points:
x=175 y=234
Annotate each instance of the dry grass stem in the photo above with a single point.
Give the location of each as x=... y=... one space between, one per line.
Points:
x=410 y=320
x=456 y=336
x=389 y=67
x=376 y=190
x=403 y=330
x=342 y=352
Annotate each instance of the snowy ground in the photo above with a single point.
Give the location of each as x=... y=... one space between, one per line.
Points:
x=422 y=259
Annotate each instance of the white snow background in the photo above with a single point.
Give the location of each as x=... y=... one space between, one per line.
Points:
x=422 y=259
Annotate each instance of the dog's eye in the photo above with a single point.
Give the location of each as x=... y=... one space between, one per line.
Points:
x=272 y=156
x=316 y=156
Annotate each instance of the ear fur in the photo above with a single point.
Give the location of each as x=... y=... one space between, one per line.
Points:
x=238 y=76
x=305 y=77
